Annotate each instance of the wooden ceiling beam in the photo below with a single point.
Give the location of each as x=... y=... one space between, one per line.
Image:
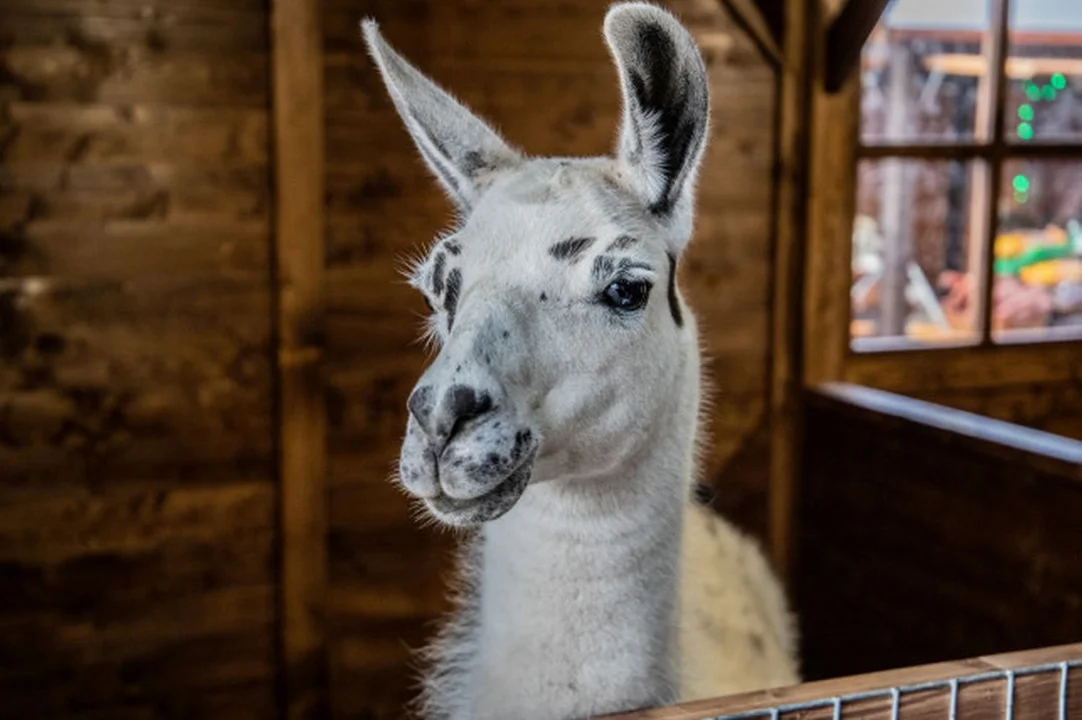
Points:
x=846 y=37
x=748 y=14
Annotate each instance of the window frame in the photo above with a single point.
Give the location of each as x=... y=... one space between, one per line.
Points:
x=990 y=155
x=825 y=135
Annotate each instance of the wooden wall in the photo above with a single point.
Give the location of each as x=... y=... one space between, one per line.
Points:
x=926 y=536
x=541 y=72
x=136 y=437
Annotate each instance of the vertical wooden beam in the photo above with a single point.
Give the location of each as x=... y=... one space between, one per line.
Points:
x=296 y=40
x=896 y=198
x=999 y=53
x=831 y=194
x=845 y=40
x=791 y=146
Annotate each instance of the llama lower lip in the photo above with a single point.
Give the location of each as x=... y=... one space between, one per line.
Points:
x=487 y=507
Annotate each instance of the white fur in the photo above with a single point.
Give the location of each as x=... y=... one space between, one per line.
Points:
x=563 y=430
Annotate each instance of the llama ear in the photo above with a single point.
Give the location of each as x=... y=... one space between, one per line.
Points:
x=666 y=102
x=461 y=149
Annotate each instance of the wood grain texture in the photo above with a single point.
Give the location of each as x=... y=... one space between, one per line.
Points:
x=786 y=343
x=830 y=203
x=137 y=496
x=938 y=544
x=541 y=73
x=1035 y=696
x=1052 y=407
x=299 y=227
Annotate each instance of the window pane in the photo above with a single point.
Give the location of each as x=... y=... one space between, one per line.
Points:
x=1044 y=70
x=913 y=246
x=1038 y=271
x=924 y=78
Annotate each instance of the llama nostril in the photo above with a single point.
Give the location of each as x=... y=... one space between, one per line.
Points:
x=462 y=404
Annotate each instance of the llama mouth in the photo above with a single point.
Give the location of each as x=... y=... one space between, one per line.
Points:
x=487 y=507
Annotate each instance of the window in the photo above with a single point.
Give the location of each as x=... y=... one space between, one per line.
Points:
x=968 y=225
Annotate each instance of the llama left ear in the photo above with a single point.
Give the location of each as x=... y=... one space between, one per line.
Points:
x=461 y=150
x=666 y=103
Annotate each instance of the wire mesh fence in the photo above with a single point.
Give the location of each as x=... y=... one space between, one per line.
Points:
x=836 y=705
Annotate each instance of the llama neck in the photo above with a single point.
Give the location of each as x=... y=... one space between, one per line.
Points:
x=579 y=590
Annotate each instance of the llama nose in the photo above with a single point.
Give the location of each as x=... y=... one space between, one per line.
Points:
x=443 y=415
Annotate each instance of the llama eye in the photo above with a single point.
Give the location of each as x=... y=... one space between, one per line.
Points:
x=626 y=295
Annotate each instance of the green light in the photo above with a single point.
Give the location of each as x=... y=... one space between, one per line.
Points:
x=1048 y=92
x=1026 y=112
x=1025 y=131
x=1021 y=198
x=1033 y=92
x=1059 y=82
x=1020 y=183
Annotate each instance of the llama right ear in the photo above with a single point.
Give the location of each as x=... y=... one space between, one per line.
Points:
x=461 y=149
x=666 y=102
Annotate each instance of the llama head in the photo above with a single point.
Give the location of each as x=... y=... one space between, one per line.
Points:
x=562 y=336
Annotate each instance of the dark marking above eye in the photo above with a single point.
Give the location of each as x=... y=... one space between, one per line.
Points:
x=604 y=266
x=674 y=302
x=621 y=243
x=607 y=265
x=571 y=249
x=450 y=300
x=452 y=247
x=437 y=273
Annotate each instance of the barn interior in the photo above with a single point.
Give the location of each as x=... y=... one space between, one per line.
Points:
x=206 y=344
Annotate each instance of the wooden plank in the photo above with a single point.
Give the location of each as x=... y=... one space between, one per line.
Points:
x=1052 y=407
x=1042 y=690
x=102 y=75
x=140 y=30
x=966 y=368
x=749 y=17
x=558 y=30
x=848 y=32
x=788 y=261
x=105 y=380
x=968 y=542
x=299 y=178
x=101 y=693
x=214 y=644
x=108 y=585
x=136 y=134
x=164 y=10
x=65 y=525
x=117 y=250
x=997 y=439
x=154 y=192
x=988 y=229
x=830 y=201
x=972 y=151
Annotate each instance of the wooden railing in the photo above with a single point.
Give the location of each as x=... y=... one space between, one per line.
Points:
x=926 y=533
x=1044 y=683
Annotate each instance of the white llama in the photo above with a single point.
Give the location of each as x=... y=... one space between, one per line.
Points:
x=561 y=414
